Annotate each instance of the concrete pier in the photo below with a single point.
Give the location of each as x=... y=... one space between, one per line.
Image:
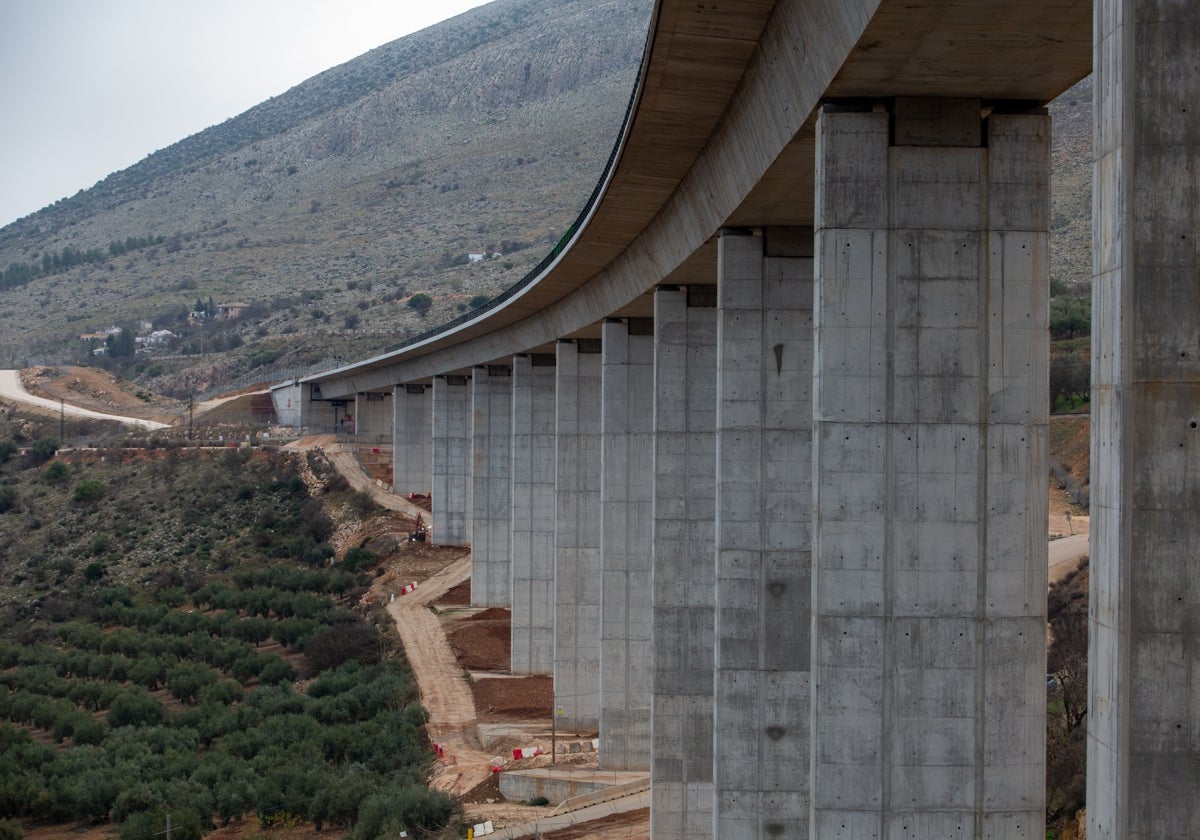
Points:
x=1143 y=775
x=491 y=486
x=577 y=571
x=626 y=543
x=451 y=460
x=929 y=553
x=373 y=414
x=533 y=515
x=763 y=533
x=685 y=365
x=412 y=439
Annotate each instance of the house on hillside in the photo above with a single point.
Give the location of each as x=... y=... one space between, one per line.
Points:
x=231 y=311
x=158 y=338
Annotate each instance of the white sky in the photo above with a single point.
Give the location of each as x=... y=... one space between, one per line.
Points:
x=90 y=87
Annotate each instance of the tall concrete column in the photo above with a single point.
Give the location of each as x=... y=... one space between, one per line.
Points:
x=929 y=458
x=577 y=536
x=533 y=515
x=1143 y=774
x=373 y=414
x=412 y=439
x=491 y=488
x=763 y=533
x=685 y=403
x=626 y=543
x=451 y=460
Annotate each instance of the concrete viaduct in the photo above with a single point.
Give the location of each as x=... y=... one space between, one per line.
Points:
x=758 y=459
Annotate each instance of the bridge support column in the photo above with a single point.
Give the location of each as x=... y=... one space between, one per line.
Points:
x=451 y=459
x=929 y=456
x=763 y=530
x=685 y=363
x=491 y=486
x=1144 y=658
x=577 y=536
x=626 y=543
x=533 y=511
x=412 y=439
x=373 y=415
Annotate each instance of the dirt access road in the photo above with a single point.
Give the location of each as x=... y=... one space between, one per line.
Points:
x=445 y=692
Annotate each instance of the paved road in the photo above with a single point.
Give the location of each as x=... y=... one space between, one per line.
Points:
x=1065 y=553
x=10 y=389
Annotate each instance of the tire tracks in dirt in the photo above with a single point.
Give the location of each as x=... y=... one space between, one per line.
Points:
x=445 y=692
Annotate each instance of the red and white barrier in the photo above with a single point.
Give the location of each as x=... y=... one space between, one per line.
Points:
x=408 y=587
x=527 y=752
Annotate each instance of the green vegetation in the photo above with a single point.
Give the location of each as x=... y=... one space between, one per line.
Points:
x=420 y=302
x=1070 y=353
x=159 y=677
x=59 y=262
x=1066 y=717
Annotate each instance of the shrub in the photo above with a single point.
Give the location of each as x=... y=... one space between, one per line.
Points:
x=358 y=558
x=421 y=303
x=11 y=830
x=275 y=671
x=135 y=708
x=152 y=825
x=57 y=472
x=342 y=643
x=412 y=808
x=43 y=450
x=7 y=450
x=88 y=492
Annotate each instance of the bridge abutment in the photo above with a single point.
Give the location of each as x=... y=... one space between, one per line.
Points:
x=491 y=490
x=626 y=543
x=930 y=412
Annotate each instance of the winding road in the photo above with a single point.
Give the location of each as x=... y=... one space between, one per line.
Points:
x=12 y=390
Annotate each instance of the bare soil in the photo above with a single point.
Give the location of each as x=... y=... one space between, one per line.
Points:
x=481 y=642
x=100 y=391
x=1070 y=445
x=632 y=825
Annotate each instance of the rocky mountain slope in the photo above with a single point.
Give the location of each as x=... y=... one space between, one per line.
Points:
x=328 y=207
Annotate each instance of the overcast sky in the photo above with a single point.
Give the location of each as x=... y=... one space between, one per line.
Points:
x=90 y=87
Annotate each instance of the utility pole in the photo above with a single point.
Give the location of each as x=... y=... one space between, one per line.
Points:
x=62 y=422
x=168 y=826
x=190 y=414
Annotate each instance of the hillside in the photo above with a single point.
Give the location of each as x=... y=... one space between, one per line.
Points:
x=328 y=206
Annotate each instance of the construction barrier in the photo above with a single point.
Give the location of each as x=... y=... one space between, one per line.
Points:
x=527 y=752
x=408 y=587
